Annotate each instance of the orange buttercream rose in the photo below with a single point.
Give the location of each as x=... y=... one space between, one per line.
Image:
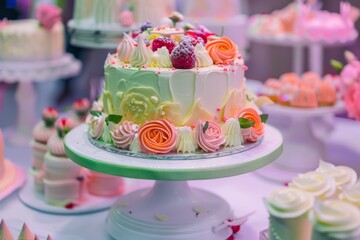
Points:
x=157 y=137
x=222 y=50
x=253 y=133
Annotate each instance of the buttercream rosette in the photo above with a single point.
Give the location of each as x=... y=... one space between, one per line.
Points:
x=255 y=132
x=232 y=133
x=125 y=48
x=186 y=142
x=351 y=194
x=315 y=183
x=209 y=135
x=81 y=107
x=157 y=137
x=222 y=50
x=96 y=126
x=123 y=134
x=343 y=176
x=55 y=144
x=288 y=202
x=334 y=219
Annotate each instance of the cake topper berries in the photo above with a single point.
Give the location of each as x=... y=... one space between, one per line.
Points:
x=183 y=56
x=163 y=42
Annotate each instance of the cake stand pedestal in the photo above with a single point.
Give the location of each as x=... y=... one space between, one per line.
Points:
x=25 y=73
x=171 y=209
x=105 y=37
x=304 y=131
x=316 y=49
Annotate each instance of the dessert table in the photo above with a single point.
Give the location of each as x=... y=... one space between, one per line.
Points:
x=234 y=190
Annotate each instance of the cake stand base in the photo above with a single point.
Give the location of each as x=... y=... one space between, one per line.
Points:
x=170 y=210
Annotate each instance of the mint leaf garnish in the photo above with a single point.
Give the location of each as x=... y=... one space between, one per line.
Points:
x=205 y=127
x=113 y=118
x=95 y=113
x=246 y=123
x=264 y=117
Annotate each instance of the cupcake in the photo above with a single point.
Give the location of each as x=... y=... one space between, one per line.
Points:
x=289 y=209
x=81 y=109
x=335 y=220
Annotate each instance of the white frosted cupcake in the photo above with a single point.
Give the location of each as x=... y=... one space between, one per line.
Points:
x=335 y=220
x=289 y=209
x=317 y=184
x=343 y=176
x=351 y=194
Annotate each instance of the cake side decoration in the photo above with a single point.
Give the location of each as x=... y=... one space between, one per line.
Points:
x=232 y=133
x=157 y=136
x=209 y=136
x=252 y=126
x=186 y=141
x=125 y=48
x=96 y=124
x=123 y=135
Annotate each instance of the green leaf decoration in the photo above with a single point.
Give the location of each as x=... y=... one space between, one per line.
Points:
x=246 y=123
x=264 y=117
x=338 y=66
x=205 y=127
x=95 y=113
x=113 y=118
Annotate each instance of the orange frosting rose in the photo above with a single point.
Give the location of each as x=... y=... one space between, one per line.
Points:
x=222 y=50
x=157 y=137
x=253 y=133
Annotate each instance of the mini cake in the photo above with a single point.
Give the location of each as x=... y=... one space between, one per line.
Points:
x=41 y=134
x=33 y=39
x=306 y=91
x=289 y=209
x=25 y=233
x=81 y=109
x=7 y=169
x=63 y=181
x=171 y=90
x=306 y=21
x=335 y=220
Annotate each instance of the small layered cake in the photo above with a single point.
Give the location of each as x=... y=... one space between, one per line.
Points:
x=306 y=91
x=41 y=134
x=335 y=220
x=81 y=109
x=289 y=209
x=63 y=182
x=33 y=39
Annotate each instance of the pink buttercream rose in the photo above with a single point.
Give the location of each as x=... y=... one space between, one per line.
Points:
x=352 y=101
x=211 y=138
x=50 y=115
x=123 y=135
x=48 y=15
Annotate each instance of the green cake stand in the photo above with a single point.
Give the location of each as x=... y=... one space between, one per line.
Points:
x=171 y=210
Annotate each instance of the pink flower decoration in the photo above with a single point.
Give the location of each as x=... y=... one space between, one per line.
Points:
x=350 y=74
x=81 y=105
x=352 y=101
x=126 y=18
x=50 y=113
x=48 y=15
x=211 y=139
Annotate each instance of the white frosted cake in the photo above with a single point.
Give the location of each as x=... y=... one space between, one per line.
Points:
x=172 y=91
x=33 y=39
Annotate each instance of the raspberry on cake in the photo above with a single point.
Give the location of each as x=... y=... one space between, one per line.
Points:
x=172 y=93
